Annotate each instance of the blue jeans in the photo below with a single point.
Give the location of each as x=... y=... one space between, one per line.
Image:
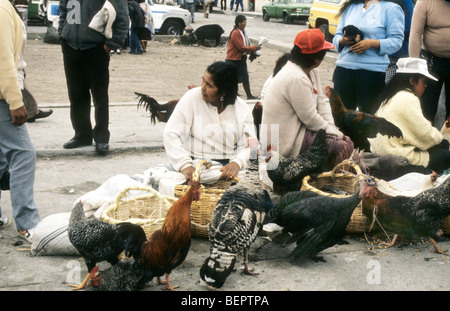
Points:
x=135 y=45
x=17 y=151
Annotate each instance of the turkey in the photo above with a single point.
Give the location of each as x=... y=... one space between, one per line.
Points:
x=289 y=172
x=235 y=223
x=315 y=222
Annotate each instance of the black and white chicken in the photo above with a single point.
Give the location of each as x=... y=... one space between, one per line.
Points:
x=289 y=172
x=235 y=223
x=126 y=275
x=315 y=222
x=99 y=241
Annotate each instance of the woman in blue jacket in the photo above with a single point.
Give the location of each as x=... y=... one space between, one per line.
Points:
x=360 y=71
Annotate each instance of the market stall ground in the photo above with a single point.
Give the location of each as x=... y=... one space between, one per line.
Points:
x=164 y=72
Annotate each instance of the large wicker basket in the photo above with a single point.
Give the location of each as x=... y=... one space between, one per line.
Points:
x=147 y=210
x=202 y=209
x=345 y=181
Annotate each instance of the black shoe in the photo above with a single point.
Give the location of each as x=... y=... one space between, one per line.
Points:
x=253 y=97
x=102 y=148
x=41 y=114
x=74 y=143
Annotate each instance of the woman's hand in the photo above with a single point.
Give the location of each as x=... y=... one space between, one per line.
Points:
x=229 y=171
x=187 y=172
x=364 y=45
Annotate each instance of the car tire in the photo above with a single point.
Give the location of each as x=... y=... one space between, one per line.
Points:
x=172 y=28
x=265 y=17
x=326 y=33
x=286 y=18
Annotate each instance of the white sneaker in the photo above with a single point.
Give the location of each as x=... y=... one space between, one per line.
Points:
x=4 y=222
x=26 y=234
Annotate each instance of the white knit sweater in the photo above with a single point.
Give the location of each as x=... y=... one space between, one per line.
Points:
x=404 y=110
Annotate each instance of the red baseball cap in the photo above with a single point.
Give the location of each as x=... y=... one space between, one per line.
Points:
x=312 y=41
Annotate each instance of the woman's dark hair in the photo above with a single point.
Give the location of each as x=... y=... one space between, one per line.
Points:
x=225 y=77
x=280 y=63
x=305 y=60
x=399 y=82
x=347 y=3
x=239 y=19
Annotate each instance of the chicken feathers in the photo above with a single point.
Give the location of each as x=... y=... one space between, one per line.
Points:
x=315 y=222
x=359 y=125
x=353 y=33
x=157 y=111
x=289 y=172
x=99 y=241
x=235 y=224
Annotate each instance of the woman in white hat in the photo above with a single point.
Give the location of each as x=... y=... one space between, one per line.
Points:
x=422 y=144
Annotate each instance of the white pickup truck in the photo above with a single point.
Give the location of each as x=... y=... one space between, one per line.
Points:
x=168 y=19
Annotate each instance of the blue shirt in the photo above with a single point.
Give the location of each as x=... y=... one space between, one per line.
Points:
x=384 y=21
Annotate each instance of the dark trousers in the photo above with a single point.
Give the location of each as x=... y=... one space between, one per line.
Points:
x=439 y=157
x=359 y=88
x=87 y=72
x=440 y=68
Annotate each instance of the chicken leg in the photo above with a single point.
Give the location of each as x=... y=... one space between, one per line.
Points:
x=82 y=285
x=437 y=249
x=246 y=269
x=167 y=281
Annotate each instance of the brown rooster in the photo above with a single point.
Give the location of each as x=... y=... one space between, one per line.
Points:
x=157 y=111
x=168 y=247
x=359 y=125
x=418 y=216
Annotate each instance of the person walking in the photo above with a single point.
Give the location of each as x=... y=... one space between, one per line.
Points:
x=137 y=21
x=17 y=152
x=190 y=5
x=237 y=50
x=86 y=64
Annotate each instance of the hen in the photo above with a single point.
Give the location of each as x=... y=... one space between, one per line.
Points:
x=126 y=275
x=418 y=216
x=289 y=172
x=157 y=111
x=235 y=224
x=315 y=222
x=359 y=125
x=168 y=247
x=98 y=241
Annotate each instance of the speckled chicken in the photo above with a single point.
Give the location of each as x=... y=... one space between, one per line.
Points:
x=412 y=217
x=289 y=172
x=126 y=275
x=235 y=224
x=315 y=222
x=99 y=241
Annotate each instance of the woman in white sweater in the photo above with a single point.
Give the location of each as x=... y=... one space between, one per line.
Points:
x=421 y=144
x=211 y=122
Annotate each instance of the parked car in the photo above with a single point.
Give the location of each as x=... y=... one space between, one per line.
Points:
x=34 y=15
x=288 y=10
x=323 y=15
x=169 y=19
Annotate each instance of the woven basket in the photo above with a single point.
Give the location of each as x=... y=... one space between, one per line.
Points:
x=345 y=181
x=147 y=211
x=202 y=209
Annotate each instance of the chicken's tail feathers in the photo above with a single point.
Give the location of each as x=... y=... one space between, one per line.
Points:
x=150 y=104
x=217 y=267
x=308 y=240
x=387 y=128
x=133 y=237
x=320 y=141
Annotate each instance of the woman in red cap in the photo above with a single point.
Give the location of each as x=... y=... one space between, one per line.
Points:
x=296 y=105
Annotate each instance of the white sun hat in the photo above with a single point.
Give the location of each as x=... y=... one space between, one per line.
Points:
x=414 y=65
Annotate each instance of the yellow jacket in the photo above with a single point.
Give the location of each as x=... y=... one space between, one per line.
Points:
x=11 y=38
x=404 y=110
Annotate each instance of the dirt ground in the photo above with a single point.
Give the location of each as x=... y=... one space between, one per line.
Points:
x=164 y=72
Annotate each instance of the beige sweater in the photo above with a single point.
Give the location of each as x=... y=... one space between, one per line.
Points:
x=11 y=38
x=430 y=22
x=404 y=111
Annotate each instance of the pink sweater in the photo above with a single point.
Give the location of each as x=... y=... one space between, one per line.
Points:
x=431 y=21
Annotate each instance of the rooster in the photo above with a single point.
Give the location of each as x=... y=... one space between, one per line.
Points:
x=359 y=125
x=157 y=111
x=315 y=222
x=353 y=33
x=289 y=172
x=235 y=223
x=98 y=241
x=168 y=247
x=418 y=216
x=126 y=275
